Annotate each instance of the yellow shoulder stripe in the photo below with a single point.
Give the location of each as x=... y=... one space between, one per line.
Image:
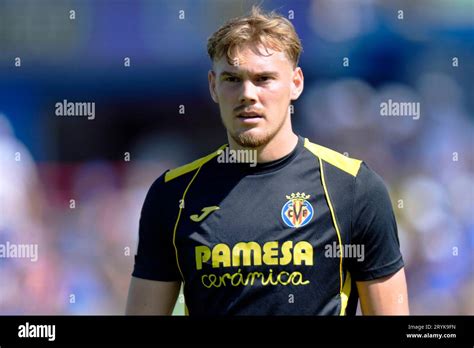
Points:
x=172 y=174
x=347 y=164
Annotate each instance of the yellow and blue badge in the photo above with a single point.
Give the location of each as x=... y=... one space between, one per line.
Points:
x=297 y=212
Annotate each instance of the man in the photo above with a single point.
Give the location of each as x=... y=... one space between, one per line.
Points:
x=270 y=238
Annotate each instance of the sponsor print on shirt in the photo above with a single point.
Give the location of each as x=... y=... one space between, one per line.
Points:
x=295 y=213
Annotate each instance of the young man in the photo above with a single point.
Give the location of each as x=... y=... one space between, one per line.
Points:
x=269 y=238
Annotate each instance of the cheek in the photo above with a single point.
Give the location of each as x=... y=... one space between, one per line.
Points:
x=226 y=90
x=278 y=95
x=226 y=98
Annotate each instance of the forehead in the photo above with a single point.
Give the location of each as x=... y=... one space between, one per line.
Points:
x=254 y=59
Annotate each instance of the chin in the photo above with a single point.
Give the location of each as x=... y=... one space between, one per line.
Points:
x=252 y=138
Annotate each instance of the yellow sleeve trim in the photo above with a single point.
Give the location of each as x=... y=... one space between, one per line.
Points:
x=334 y=221
x=347 y=164
x=172 y=174
x=346 y=292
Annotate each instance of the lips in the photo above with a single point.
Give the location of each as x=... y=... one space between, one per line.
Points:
x=249 y=114
x=250 y=118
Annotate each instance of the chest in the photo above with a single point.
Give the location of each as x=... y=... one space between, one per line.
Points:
x=255 y=221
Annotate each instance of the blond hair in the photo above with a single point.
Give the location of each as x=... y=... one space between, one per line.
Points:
x=270 y=30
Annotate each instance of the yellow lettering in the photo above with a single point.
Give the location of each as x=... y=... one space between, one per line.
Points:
x=281 y=281
x=204 y=276
x=265 y=282
x=270 y=253
x=213 y=280
x=239 y=277
x=203 y=254
x=252 y=254
x=221 y=255
x=247 y=250
x=236 y=279
x=300 y=279
x=303 y=252
x=258 y=274
x=286 y=251
x=227 y=275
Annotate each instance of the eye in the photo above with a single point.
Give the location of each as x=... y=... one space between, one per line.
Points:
x=264 y=79
x=231 y=79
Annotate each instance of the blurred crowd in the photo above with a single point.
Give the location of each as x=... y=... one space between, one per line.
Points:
x=74 y=193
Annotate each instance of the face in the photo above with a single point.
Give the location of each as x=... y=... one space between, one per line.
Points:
x=254 y=94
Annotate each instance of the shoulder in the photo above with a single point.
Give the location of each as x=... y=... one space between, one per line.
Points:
x=174 y=180
x=170 y=185
x=191 y=167
x=347 y=176
x=334 y=159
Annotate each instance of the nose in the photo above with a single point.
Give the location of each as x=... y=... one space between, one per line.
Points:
x=248 y=93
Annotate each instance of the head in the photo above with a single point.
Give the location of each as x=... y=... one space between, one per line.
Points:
x=255 y=76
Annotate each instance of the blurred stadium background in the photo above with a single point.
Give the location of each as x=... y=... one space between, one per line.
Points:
x=83 y=265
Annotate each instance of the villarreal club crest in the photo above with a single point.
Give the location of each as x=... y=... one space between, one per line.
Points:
x=297 y=212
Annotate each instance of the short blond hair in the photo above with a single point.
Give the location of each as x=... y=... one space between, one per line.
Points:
x=268 y=29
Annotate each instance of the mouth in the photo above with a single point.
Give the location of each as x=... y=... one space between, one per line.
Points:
x=250 y=116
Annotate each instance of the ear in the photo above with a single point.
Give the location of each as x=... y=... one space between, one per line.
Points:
x=297 y=83
x=211 y=76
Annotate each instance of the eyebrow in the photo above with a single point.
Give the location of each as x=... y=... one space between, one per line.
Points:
x=262 y=73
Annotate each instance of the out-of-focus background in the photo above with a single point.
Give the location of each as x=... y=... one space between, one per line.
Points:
x=74 y=186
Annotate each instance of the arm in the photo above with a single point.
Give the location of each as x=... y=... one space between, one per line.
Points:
x=380 y=275
x=384 y=296
x=150 y=297
x=155 y=281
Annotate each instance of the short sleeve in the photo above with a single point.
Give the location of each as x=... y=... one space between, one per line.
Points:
x=156 y=257
x=374 y=227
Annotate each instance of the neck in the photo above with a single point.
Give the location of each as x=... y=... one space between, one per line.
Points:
x=279 y=146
